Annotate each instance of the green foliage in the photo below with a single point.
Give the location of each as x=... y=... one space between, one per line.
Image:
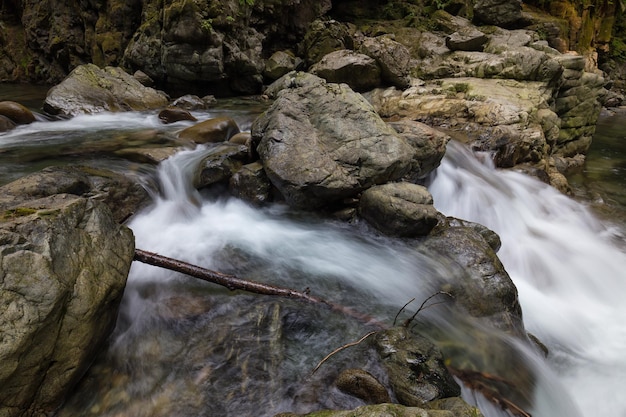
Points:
x=207 y=24
x=246 y=2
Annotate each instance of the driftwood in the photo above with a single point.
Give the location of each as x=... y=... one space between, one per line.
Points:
x=474 y=380
x=234 y=283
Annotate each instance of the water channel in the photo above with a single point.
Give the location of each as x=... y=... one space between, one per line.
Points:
x=186 y=348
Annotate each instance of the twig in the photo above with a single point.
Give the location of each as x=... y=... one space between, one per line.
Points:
x=423 y=306
x=402 y=309
x=339 y=349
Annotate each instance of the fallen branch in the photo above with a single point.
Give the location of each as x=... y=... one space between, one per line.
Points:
x=234 y=283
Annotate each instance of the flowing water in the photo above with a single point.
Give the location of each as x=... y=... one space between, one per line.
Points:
x=184 y=348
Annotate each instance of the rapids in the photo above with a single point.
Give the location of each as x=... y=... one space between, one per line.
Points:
x=566 y=263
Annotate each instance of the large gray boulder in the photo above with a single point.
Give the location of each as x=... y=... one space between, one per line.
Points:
x=90 y=89
x=359 y=71
x=321 y=142
x=393 y=58
x=63 y=267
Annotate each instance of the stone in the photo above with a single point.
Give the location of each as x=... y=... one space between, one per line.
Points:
x=89 y=89
x=64 y=262
x=429 y=145
x=399 y=209
x=482 y=288
x=6 y=124
x=220 y=163
x=359 y=71
x=415 y=366
x=143 y=78
x=363 y=385
x=173 y=115
x=18 y=113
x=321 y=143
x=322 y=38
x=251 y=184
x=193 y=102
x=466 y=39
x=279 y=64
x=393 y=58
x=218 y=129
x=503 y=13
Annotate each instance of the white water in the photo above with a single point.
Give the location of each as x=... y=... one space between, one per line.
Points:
x=570 y=275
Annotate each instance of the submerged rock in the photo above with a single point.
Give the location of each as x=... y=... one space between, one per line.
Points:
x=218 y=129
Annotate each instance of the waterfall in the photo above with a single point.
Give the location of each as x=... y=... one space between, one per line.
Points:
x=569 y=272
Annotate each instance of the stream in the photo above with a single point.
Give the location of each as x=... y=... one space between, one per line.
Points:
x=188 y=348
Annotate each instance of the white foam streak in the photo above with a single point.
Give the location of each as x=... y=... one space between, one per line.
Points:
x=571 y=278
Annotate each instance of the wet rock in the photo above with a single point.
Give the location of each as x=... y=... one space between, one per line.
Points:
x=385 y=410
x=359 y=71
x=120 y=193
x=220 y=164
x=218 y=129
x=399 y=209
x=483 y=288
x=193 y=102
x=363 y=385
x=321 y=143
x=251 y=184
x=16 y=112
x=6 y=124
x=173 y=115
x=89 y=89
x=415 y=366
x=64 y=262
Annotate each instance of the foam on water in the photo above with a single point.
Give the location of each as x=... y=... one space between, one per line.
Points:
x=570 y=275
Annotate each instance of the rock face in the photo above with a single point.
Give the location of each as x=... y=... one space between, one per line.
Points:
x=89 y=89
x=415 y=366
x=359 y=71
x=399 y=209
x=321 y=142
x=64 y=263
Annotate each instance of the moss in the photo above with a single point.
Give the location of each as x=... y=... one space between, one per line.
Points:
x=18 y=212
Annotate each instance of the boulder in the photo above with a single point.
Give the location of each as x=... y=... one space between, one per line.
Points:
x=320 y=143
x=322 y=38
x=18 y=113
x=251 y=184
x=193 y=102
x=466 y=39
x=89 y=89
x=395 y=410
x=416 y=369
x=120 y=193
x=399 y=209
x=482 y=287
x=218 y=129
x=220 y=163
x=359 y=71
x=429 y=145
x=64 y=262
x=503 y=13
x=393 y=58
x=279 y=64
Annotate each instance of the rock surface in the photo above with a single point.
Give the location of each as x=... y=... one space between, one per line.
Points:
x=64 y=263
x=89 y=89
x=321 y=142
